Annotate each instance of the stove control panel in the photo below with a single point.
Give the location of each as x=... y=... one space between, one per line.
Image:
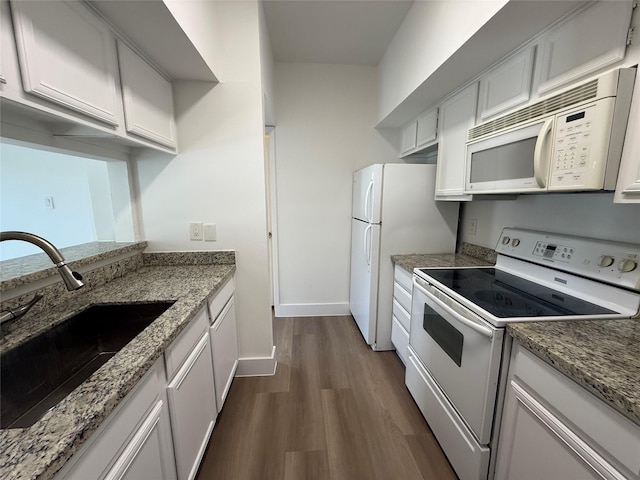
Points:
x=610 y=262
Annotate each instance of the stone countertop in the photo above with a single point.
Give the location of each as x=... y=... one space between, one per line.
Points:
x=409 y=262
x=603 y=356
x=39 y=451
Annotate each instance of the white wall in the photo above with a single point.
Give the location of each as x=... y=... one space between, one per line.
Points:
x=325 y=130
x=430 y=33
x=81 y=194
x=218 y=177
x=582 y=214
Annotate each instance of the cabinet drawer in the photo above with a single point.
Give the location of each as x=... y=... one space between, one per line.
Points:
x=400 y=339
x=217 y=303
x=402 y=296
x=404 y=278
x=177 y=352
x=401 y=315
x=607 y=431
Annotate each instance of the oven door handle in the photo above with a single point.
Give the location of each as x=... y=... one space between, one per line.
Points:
x=422 y=286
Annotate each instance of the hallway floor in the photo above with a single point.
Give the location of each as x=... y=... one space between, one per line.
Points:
x=335 y=410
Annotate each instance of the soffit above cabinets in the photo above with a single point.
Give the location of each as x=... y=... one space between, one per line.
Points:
x=151 y=27
x=516 y=23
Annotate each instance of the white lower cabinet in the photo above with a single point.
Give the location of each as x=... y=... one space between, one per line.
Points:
x=192 y=406
x=552 y=428
x=160 y=431
x=224 y=345
x=134 y=442
x=401 y=311
x=147 y=456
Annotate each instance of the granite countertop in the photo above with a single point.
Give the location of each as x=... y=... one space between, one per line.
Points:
x=434 y=260
x=603 y=356
x=38 y=452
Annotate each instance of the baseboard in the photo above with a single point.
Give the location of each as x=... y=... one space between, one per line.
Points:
x=257 y=366
x=312 y=309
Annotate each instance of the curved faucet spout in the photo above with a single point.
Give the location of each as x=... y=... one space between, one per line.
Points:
x=72 y=280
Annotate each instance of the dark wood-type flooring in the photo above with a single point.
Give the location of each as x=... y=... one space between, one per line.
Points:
x=335 y=410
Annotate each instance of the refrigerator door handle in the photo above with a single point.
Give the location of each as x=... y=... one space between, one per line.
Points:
x=367 y=196
x=367 y=248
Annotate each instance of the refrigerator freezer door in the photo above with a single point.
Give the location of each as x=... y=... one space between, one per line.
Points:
x=367 y=194
x=365 y=254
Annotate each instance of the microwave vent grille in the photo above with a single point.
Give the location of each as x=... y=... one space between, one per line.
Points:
x=579 y=94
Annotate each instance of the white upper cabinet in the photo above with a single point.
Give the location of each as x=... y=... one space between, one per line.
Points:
x=67 y=56
x=148 y=99
x=628 y=184
x=593 y=39
x=427 y=131
x=408 y=140
x=457 y=115
x=506 y=86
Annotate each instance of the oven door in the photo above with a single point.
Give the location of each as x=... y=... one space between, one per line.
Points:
x=461 y=352
x=511 y=162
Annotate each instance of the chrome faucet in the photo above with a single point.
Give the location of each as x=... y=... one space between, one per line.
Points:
x=72 y=280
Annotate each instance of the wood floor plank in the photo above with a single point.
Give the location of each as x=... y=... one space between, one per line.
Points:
x=312 y=465
x=430 y=458
x=306 y=428
x=347 y=448
x=334 y=410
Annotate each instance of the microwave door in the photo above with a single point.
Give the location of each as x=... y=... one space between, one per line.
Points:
x=511 y=162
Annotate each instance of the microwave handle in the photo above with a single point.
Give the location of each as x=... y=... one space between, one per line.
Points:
x=539 y=159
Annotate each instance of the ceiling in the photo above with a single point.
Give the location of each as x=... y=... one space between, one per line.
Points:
x=355 y=32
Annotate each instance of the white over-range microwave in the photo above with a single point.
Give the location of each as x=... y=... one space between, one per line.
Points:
x=569 y=142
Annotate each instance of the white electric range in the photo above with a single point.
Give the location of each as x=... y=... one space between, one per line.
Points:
x=456 y=351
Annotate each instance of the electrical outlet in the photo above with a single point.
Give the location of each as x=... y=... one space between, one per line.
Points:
x=195 y=230
x=210 y=232
x=473 y=226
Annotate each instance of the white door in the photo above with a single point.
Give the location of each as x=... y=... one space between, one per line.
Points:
x=367 y=194
x=365 y=245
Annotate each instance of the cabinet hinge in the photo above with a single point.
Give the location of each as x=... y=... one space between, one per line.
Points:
x=630 y=35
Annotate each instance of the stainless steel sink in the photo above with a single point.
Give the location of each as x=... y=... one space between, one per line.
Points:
x=38 y=374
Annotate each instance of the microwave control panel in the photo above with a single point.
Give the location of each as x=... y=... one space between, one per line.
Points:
x=579 y=153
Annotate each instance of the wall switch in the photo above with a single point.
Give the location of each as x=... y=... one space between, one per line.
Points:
x=48 y=203
x=210 y=232
x=195 y=230
x=473 y=226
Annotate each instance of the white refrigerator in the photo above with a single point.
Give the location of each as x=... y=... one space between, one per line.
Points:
x=394 y=212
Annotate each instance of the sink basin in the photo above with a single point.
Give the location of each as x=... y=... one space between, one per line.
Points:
x=38 y=374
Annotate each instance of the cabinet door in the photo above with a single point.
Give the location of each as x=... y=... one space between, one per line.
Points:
x=408 y=141
x=506 y=86
x=536 y=444
x=628 y=183
x=427 y=128
x=148 y=99
x=67 y=56
x=149 y=455
x=591 y=40
x=457 y=115
x=224 y=345
x=192 y=409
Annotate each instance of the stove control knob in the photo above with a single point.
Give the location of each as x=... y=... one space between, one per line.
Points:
x=506 y=240
x=627 y=265
x=515 y=242
x=606 y=261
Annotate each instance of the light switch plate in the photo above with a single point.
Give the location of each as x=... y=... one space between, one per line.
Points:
x=210 y=232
